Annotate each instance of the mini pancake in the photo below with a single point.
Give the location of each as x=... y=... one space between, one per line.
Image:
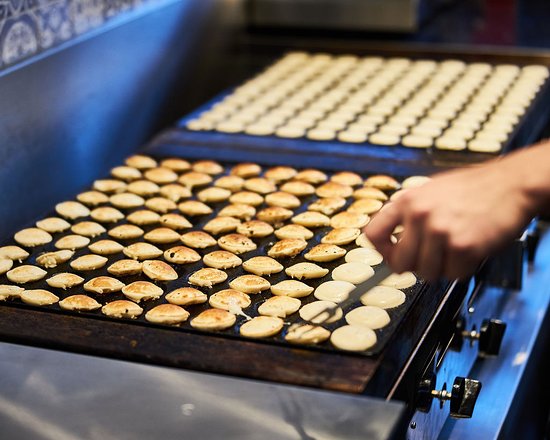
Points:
x=88 y=229
x=260 y=185
x=280 y=173
x=306 y=334
x=175 y=192
x=325 y=252
x=255 y=228
x=122 y=309
x=353 y=338
x=246 y=170
x=311 y=219
x=238 y=210
x=142 y=291
x=262 y=266
x=282 y=199
x=207 y=277
x=32 y=237
x=92 y=198
x=208 y=167
x=103 y=285
x=7 y=291
x=126 y=173
x=221 y=225
x=168 y=314
x=124 y=268
x=162 y=236
x=221 y=260
x=72 y=210
x=5 y=265
x=349 y=219
x=213 y=319
x=250 y=284
x=341 y=236
x=185 y=296
x=193 y=179
x=355 y=137
x=382 y=182
x=334 y=189
x=194 y=207
x=126 y=200
x=79 y=303
x=72 y=242
x=292 y=288
x=298 y=188
x=294 y=231
x=160 y=204
x=89 y=262
x=142 y=251
x=175 y=221
x=400 y=281
x=368 y=316
x=287 y=247
x=198 y=239
x=53 y=259
x=14 y=253
x=64 y=280
x=311 y=176
x=335 y=291
x=106 y=214
x=126 y=232
x=415 y=181
x=213 y=195
x=384 y=297
x=181 y=255
x=159 y=270
x=236 y=243
x=229 y=299
x=53 y=224
x=144 y=188
x=232 y=183
x=279 y=306
x=368 y=256
x=366 y=206
x=140 y=162
x=176 y=164
x=311 y=310
x=274 y=214
x=306 y=271
x=261 y=327
x=106 y=247
x=369 y=192
x=160 y=175
x=347 y=178
x=364 y=242
x=327 y=205
x=38 y=297
x=143 y=217
x=354 y=272
x=109 y=185
x=247 y=198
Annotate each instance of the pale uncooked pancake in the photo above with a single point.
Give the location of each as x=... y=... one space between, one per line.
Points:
x=88 y=229
x=89 y=262
x=142 y=251
x=175 y=221
x=213 y=195
x=261 y=327
x=366 y=206
x=292 y=288
x=280 y=306
x=283 y=199
x=208 y=167
x=7 y=291
x=14 y=253
x=207 y=277
x=186 y=296
x=347 y=178
x=103 y=285
x=232 y=183
x=353 y=338
x=255 y=228
x=383 y=297
x=126 y=173
x=32 y=237
x=198 y=239
x=213 y=319
x=159 y=270
x=354 y=137
x=143 y=217
x=368 y=316
x=72 y=242
x=294 y=232
x=126 y=232
x=236 y=243
x=53 y=259
x=310 y=311
x=181 y=255
x=334 y=291
x=168 y=314
x=106 y=247
x=162 y=236
x=26 y=274
x=72 y=210
x=126 y=200
x=79 y=303
x=238 y=210
x=287 y=247
x=341 y=236
x=325 y=252
x=298 y=188
x=160 y=204
x=250 y=284
x=348 y=219
x=5 y=265
x=53 y=224
x=161 y=175
x=274 y=214
x=400 y=281
x=176 y=164
x=306 y=271
x=415 y=181
x=247 y=198
x=142 y=291
x=364 y=242
x=306 y=334
x=369 y=192
x=125 y=267
x=141 y=162
x=246 y=170
x=221 y=225
x=143 y=188
x=106 y=214
x=91 y=198
x=311 y=176
x=38 y=297
x=229 y=299
x=280 y=173
x=327 y=205
x=334 y=189
x=221 y=260
x=382 y=182
x=175 y=192
x=122 y=309
x=364 y=255
x=311 y=219
x=262 y=266
x=354 y=272
x=193 y=179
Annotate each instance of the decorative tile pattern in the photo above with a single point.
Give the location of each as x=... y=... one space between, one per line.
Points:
x=28 y=27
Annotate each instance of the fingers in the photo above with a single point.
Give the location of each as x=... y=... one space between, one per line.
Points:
x=379 y=230
x=404 y=256
x=431 y=256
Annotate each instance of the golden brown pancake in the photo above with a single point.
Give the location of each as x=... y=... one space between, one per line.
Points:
x=142 y=291
x=207 y=277
x=250 y=284
x=79 y=303
x=159 y=270
x=181 y=255
x=168 y=314
x=103 y=285
x=122 y=309
x=213 y=319
x=186 y=296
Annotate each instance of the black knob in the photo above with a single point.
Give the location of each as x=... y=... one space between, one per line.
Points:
x=490 y=337
x=424 y=395
x=464 y=397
